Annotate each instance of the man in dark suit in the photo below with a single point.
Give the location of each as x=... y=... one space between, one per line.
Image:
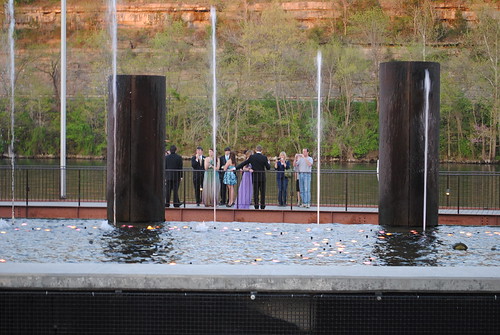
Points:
x=260 y=164
x=223 y=188
x=197 y=162
x=173 y=176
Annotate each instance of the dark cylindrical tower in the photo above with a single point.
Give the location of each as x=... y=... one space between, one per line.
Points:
x=407 y=103
x=139 y=149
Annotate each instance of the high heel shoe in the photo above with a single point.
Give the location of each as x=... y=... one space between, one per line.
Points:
x=228 y=205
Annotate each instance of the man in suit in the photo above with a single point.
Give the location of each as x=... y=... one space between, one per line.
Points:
x=173 y=176
x=223 y=188
x=260 y=164
x=197 y=162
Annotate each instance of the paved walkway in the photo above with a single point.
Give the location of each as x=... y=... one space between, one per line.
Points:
x=349 y=209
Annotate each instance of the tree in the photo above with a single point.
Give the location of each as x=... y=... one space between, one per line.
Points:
x=425 y=25
x=484 y=45
x=371 y=27
x=344 y=69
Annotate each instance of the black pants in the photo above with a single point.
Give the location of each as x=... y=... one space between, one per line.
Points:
x=197 y=183
x=259 y=187
x=223 y=188
x=172 y=185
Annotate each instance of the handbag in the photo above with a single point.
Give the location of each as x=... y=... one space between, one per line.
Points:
x=288 y=173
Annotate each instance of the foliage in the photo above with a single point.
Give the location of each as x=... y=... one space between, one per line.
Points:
x=266 y=80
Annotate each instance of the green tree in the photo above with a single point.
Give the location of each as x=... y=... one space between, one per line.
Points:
x=371 y=27
x=484 y=45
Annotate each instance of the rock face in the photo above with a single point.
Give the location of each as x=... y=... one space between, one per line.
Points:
x=148 y=15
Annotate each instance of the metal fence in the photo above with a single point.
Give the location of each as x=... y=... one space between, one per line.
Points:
x=341 y=189
x=149 y=312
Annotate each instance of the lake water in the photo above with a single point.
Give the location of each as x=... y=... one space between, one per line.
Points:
x=75 y=241
x=324 y=165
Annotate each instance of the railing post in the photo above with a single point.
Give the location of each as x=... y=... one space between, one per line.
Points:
x=184 y=183
x=79 y=186
x=346 y=190
x=458 y=194
x=27 y=192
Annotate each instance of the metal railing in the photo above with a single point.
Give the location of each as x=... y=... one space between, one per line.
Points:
x=340 y=189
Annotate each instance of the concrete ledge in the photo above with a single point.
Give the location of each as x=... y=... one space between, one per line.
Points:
x=241 y=278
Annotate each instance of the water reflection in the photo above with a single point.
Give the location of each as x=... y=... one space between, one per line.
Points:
x=398 y=247
x=47 y=241
x=135 y=244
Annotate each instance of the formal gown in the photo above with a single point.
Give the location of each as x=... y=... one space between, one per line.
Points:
x=230 y=176
x=245 y=191
x=208 y=187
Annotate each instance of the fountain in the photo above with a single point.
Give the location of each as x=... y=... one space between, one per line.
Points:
x=63 y=100
x=213 y=20
x=318 y=134
x=408 y=144
x=12 y=74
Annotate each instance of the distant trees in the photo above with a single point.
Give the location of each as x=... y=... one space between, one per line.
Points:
x=266 y=87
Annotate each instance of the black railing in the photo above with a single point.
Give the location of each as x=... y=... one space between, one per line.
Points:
x=340 y=189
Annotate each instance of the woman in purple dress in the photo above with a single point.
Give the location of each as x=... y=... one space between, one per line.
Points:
x=245 y=191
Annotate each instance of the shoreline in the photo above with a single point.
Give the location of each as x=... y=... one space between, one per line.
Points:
x=272 y=158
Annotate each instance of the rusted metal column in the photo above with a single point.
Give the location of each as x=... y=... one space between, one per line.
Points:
x=402 y=128
x=139 y=150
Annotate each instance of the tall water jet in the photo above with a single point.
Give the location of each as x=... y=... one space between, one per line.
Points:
x=12 y=75
x=427 y=90
x=63 y=101
x=409 y=144
x=213 y=19
x=136 y=145
x=318 y=132
x=113 y=28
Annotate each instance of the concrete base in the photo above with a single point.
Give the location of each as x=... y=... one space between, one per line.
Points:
x=240 y=278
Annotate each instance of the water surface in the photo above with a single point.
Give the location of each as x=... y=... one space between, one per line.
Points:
x=75 y=241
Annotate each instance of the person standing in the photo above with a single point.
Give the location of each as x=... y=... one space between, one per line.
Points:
x=198 y=165
x=245 y=190
x=223 y=188
x=260 y=164
x=211 y=185
x=296 y=178
x=230 y=177
x=173 y=176
x=281 y=165
x=304 y=167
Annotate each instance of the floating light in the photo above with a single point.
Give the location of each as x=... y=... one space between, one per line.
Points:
x=150 y=228
x=2 y=260
x=3 y=232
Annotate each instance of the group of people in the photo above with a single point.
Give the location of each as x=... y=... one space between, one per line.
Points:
x=214 y=178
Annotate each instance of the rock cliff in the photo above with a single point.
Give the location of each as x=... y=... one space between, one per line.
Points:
x=137 y=15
